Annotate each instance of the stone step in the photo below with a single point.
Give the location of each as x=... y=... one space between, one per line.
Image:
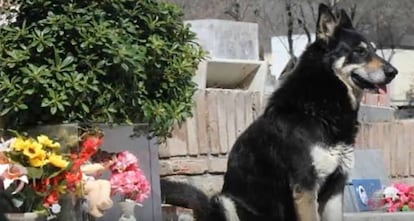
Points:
x=379 y=216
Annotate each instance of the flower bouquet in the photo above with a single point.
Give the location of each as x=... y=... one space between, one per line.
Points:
x=394 y=198
x=37 y=175
x=34 y=172
x=128 y=180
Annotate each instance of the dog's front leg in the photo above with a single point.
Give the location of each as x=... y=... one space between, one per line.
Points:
x=333 y=208
x=306 y=203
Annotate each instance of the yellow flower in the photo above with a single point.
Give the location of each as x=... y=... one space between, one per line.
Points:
x=46 y=141
x=32 y=149
x=39 y=160
x=58 y=161
x=19 y=144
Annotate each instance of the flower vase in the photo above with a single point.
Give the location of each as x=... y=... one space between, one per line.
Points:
x=128 y=210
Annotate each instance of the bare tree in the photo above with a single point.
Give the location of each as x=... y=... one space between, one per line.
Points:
x=237 y=11
x=385 y=22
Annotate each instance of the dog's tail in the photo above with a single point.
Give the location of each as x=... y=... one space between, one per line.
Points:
x=187 y=196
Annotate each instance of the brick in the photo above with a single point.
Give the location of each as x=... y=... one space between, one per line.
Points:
x=230 y=99
x=201 y=115
x=183 y=166
x=165 y=167
x=208 y=183
x=370 y=99
x=217 y=165
x=239 y=108
x=177 y=144
x=384 y=100
x=212 y=121
x=256 y=105
x=222 y=122
x=192 y=138
x=163 y=151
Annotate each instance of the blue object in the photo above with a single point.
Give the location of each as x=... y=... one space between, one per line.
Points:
x=364 y=190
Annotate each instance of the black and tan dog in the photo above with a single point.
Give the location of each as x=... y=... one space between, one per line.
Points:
x=292 y=163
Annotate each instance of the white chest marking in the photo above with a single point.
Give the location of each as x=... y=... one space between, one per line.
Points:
x=230 y=210
x=326 y=160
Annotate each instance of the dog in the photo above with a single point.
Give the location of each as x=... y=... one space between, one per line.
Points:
x=292 y=162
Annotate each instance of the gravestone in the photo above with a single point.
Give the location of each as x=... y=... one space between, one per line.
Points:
x=225 y=39
x=369 y=164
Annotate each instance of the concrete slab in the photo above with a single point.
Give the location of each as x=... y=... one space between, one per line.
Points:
x=232 y=74
x=227 y=39
x=370 y=113
x=379 y=216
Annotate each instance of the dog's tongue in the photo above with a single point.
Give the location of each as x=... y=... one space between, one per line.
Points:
x=382 y=89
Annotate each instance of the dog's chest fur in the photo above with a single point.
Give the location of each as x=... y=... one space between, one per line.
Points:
x=326 y=160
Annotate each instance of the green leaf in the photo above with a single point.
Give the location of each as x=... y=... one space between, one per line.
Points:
x=34 y=172
x=6 y=111
x=23 y=106
x=68 y=60
x=125 y=66
x=85 y=108
x=39 y=48
x=96 y=61
x=29 y=91
x=53 y=110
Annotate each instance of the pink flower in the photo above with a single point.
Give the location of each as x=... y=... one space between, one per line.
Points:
x=125 y=161
x=404 y=188
x=131 y=184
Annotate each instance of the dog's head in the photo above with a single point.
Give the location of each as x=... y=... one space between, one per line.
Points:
x=351 y=56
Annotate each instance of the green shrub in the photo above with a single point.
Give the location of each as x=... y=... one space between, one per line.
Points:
x=111 y=61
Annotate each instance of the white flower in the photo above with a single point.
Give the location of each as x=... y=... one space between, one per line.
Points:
x=391 y=192
x=5 y=144
x=55 y=208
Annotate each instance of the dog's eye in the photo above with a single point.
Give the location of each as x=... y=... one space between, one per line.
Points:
x=360 y=50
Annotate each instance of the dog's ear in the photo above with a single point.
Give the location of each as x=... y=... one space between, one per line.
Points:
x=344 y=20
x=326 y=24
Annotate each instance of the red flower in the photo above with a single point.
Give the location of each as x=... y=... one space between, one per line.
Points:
x=52 y=198
x=73 y=177
x=91 y=145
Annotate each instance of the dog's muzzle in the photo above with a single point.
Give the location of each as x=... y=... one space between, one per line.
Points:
x=390 y=72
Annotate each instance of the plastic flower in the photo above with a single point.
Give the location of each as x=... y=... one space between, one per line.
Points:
x=398 y=197
x=61 y=188
x=91 y=145
x=124 y=161
x=52 y=198
x=131 y=184
x=10 y=173
x=46 y=141
x=33 y=149
x=38 y=161
x=58 y=161
x=20 y=144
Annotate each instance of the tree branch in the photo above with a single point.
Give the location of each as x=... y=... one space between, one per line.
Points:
x=290 y=25
x=303 y=24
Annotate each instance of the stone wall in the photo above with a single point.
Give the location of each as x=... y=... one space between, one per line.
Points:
x=197 y=152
